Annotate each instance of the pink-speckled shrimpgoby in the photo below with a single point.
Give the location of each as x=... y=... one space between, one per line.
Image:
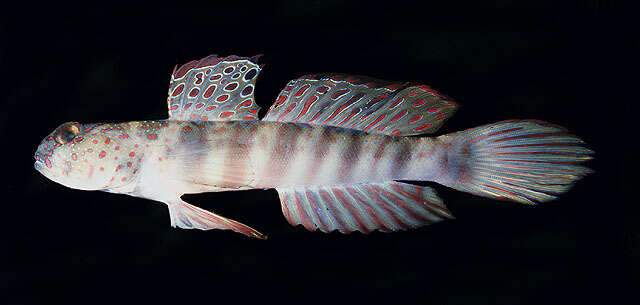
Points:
x=333 y=146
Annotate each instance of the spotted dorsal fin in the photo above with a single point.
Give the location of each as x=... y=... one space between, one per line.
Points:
x=214 y=89
x=362 y=103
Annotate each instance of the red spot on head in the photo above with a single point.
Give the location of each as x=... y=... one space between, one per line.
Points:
x=222 y=98
x=131 y=154
x=124 y=178
x=74 y=156
x=434 y=109
x=210 y=108
x=107 y=141
x=94 y=142
x=128 y=164
x=228 y=70
x=102 y=154
x=200 y=105
x=215 y=77
x=117 y=148
x=194 y=92
x=235 y=76
x=440 y=116
x=101 y=168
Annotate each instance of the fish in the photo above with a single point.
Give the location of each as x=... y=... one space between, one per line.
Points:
x=343 y=152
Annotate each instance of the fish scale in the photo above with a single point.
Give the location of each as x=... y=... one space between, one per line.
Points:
x=334 y=147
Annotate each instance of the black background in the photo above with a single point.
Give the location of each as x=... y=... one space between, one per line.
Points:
x=499 y=60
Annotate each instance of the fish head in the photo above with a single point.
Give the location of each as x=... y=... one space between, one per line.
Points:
x=73 y=155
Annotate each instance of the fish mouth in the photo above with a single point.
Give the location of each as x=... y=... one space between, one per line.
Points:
x=38 y=166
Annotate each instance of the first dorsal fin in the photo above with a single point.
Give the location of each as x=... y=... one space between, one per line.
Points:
x=214 y=89
x=362 y=103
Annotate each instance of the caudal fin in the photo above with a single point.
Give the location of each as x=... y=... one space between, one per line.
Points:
x=525 y=161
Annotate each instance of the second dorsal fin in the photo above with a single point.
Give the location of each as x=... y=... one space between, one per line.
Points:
x=362 y=103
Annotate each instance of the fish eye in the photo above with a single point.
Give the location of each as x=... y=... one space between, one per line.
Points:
x=66 y=133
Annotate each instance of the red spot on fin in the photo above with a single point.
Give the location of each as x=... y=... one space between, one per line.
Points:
x=226 y=114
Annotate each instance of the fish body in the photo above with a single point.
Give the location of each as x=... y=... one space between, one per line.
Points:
x=213 y=156
x=332 y=147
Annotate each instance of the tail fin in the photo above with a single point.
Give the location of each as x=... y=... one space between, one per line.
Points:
x=525 y=161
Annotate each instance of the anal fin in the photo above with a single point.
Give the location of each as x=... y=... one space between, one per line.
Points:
x=365 y=207
x=187 y=216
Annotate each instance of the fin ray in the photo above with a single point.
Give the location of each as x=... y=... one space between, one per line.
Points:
x=362 y=103
x=187 y=216
x=526 y=161
x=365 y=207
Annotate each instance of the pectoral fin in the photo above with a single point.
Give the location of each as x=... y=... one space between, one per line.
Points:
x=187 y=216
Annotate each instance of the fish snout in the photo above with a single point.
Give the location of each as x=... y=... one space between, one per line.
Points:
x=38 y=165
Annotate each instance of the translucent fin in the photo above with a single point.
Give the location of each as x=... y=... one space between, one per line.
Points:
x=216 y=164
x=389 y=206
x=214 y=89
x=362 y=103
x=186 y=216
x=524 y=161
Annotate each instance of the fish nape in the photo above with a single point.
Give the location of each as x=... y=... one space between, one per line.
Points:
x=332 y=145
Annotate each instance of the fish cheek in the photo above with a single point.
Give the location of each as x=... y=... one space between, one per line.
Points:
x=84 y=167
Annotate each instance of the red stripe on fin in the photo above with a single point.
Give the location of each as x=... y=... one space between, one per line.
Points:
x=524 y=161
x=359 y=102
x=365 y=207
